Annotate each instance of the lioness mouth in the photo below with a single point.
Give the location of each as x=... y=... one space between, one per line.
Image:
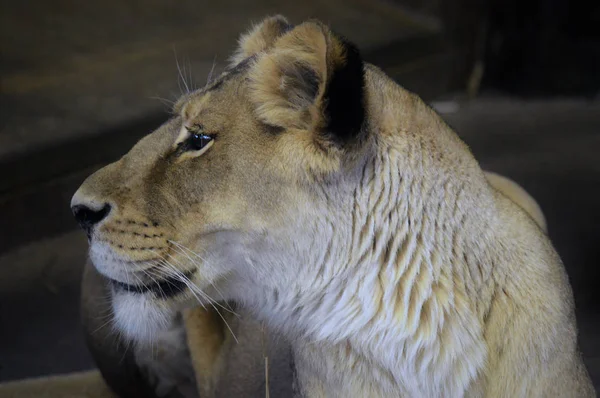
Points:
x=162 y=288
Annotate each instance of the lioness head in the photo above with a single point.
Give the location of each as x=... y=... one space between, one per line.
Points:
x=249 y=182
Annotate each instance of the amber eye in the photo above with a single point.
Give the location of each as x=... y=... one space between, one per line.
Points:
x=197 y=141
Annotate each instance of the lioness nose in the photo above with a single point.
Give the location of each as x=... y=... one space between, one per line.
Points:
x=88 y=217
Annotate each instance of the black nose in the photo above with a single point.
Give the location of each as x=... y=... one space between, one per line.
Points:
x=87 y=217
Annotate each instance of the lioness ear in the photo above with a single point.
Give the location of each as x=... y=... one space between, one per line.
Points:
x=260 y=38
x=311 y=80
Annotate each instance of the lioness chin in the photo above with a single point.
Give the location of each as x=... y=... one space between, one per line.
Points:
x=310 y=188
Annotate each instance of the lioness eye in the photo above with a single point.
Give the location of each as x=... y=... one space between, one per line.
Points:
x=198 y=141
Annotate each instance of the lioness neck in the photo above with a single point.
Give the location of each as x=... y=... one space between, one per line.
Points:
x=403 y=316
x=399 y=300
x=390 y=305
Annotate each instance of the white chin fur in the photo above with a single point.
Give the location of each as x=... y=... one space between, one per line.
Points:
x=139 y=317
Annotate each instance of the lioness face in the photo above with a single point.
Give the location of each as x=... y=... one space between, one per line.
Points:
x=219 y=200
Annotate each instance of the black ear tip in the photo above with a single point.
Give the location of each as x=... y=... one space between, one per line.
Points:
x=345 y=96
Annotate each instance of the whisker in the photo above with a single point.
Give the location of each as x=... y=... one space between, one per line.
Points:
x=226 y=324
x=194 y=289
x=191 y=76
x=203 y=293
x=111 y=319
x=128 y=344
x=212 y=69
x=145 y=272
x=181 y=248
x=179 y=276
x=141 y=283
x=166 y=102
x=181 y=78
x=103 y=316
x=186 y=281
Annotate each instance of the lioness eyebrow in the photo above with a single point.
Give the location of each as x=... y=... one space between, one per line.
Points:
x=194 y=128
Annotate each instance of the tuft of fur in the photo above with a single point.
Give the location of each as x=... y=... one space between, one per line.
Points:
x=260 y=38
x=138 y=318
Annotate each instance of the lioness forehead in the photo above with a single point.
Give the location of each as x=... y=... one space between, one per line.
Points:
x=200 y=96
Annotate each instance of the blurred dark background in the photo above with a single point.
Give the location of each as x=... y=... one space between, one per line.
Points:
x=82 y=81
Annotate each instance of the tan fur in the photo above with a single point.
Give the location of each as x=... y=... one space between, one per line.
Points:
x=260 y=38
x=275 y=86
x=205 y=337
x=517 y=194
x=391 y=263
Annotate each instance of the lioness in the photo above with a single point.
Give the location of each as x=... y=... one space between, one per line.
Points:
x=311 y=189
